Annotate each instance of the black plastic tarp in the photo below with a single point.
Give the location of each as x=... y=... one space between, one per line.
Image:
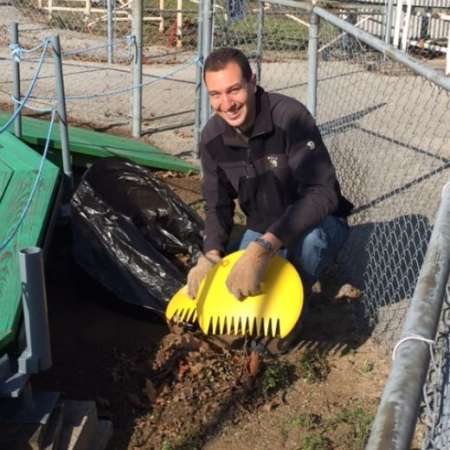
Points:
x=132 y=233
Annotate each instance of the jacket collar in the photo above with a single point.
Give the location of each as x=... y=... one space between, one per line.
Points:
x=263 y=122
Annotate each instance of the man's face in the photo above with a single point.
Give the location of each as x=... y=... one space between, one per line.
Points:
x=231 y=96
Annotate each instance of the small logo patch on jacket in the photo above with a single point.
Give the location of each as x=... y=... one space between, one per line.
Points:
x=311 y=145
x=273 y=161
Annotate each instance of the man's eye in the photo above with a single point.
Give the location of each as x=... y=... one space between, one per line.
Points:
x=235 y=90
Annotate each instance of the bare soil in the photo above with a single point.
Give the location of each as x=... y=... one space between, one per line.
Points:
x=171 y=389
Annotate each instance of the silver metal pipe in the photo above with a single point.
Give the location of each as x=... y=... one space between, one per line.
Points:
x=37 y=356
x=259 y=40
x=110 y=30
x=14 y=33
x=61 y=110
x=198 y=80
x=136 y=108
x=313 y=62
x=206 y=50
x=388 y=29
x=396 y=417
x=306 y=6
x=386 y=49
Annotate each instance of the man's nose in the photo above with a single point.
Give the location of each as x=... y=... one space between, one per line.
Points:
x=227 y=102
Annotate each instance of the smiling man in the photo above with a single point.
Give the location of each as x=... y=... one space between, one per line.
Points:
x=265 y=150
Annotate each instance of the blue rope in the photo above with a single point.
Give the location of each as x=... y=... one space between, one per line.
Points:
x=17 y=50
x=28 y=94
x=24 y=212
x=32 y=108
x=98 y=47
x=122 y=91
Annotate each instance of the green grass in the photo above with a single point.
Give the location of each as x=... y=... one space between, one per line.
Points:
x=308 y=421
x=315 y=441
x=351 y=426
x=359 y=422
x=276 y=376
x=166 y=445
x=313 y=366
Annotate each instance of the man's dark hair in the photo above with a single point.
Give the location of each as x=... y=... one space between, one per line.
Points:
x=218 y=59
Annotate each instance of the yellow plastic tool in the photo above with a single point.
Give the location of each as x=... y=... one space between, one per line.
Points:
x=181 y=308
x=274 y=312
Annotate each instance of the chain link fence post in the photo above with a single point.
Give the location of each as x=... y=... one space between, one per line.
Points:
x=198 y=78
x=388 y=21
x=259 y=40
x=313 y=62
x=14 y=37
x=136 y=31
x=206 y=49
x=61 y=110
x=110 y=29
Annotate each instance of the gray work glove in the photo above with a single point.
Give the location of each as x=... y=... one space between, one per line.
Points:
x=248 y=271
x=199 y=271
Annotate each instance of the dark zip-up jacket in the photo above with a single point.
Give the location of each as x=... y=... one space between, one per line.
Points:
x=283 y=176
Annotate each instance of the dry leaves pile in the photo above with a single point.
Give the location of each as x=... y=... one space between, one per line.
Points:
x=193 y=385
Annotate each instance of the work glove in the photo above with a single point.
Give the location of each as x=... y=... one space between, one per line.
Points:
x=247 y=273
x=199 y=271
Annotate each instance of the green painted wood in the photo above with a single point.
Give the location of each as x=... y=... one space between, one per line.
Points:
x=24 y=163
x=99 y=145
x=5 y=175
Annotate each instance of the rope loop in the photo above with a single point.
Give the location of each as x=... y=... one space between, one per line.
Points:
x=16 y=52
x=413 y=337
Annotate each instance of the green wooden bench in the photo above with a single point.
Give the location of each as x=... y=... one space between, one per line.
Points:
x=19 y=166
x=87 y=144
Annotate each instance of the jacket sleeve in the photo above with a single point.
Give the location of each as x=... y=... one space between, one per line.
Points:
x=219 y=203
x=314 y=176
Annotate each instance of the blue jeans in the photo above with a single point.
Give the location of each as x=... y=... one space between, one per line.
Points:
x=314 y=251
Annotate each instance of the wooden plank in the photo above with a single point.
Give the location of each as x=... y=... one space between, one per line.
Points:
x=95 y=144
x=5 y=175
x=25 y=163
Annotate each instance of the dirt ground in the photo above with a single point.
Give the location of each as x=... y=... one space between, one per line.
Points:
x=167 y=389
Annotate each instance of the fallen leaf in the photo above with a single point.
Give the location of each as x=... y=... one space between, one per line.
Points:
x=253 y=364
x=196 y=368
x=183 y=367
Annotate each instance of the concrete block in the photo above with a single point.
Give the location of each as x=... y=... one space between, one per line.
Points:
x=81 y=428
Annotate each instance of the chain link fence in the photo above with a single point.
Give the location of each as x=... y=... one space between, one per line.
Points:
x=436 y=407
x=388 y=131
x=99 y=94
x=275 y=37
x=167 y=23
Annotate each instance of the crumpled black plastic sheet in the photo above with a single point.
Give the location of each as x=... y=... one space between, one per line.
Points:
x=129 y=231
